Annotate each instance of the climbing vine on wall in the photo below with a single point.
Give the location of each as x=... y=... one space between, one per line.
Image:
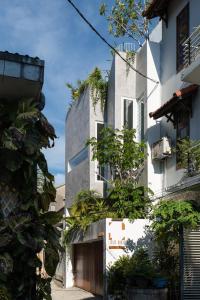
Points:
x=98 y=88
x=26 y=226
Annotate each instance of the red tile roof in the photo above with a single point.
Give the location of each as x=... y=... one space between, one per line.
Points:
x=169 y=105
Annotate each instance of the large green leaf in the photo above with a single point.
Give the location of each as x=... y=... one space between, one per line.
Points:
x=51 y=217
x=6 y=263
x=51 y=260
x=5 y=239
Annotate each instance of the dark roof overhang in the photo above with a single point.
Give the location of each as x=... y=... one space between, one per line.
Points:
x=157 y=8
x=170 y=106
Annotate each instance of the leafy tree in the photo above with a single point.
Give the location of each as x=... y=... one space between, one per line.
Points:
x=26 y=226
x=170 y=216
x=119 y=151
x=125 y=19
x=168 y=219
x=125 y=158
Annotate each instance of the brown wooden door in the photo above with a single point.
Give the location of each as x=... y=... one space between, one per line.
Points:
x=88 y=266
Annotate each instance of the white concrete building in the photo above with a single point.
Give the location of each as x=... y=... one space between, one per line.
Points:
x=163 y=106
x=127 y=104
x=176 y=116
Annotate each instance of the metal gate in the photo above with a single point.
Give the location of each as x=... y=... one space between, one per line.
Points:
x=88 y=266
x=191 y=265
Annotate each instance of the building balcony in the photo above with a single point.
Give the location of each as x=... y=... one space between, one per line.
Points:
x=191 y=58
x=21 y=76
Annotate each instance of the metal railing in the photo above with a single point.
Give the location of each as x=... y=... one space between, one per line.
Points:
x=126 y=47
x=191 y=47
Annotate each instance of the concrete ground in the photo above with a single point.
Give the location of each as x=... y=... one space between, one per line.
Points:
x=59 y=293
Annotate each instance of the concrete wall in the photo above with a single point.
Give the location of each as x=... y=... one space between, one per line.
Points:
x=60 y=199
x=76 y=133
x=121 y=86
x=120 y=237
x=81 y=124
x=96 y=116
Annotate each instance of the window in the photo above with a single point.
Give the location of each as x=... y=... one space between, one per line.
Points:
x=99 y=168
x=182 y=124
x=182 y=130
x=77 y=159
x=128 y=113
x=182 y=29
x=140 y=119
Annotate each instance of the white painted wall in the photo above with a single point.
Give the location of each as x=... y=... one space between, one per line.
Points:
x=170 y=81
x=118 y=233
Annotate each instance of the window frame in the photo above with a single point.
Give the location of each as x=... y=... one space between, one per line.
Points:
x=96 y=162
x=140 y=118
x=179 y=138
x=134 y=112
x=179 y=42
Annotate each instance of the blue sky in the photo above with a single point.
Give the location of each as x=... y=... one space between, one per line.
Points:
x=52 y=30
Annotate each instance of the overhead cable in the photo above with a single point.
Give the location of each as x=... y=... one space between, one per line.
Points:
x=109 y=45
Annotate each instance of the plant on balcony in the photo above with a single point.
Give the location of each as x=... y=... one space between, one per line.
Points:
x=188 y=153
x=98 y=88
x=26 y=226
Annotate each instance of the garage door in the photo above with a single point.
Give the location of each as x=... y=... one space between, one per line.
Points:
x=88 y=266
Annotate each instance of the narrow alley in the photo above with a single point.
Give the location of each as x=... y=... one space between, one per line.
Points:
x=58 y=293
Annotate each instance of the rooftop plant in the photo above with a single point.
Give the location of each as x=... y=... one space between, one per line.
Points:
x=98 y=88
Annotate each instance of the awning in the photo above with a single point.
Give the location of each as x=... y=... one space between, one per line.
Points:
x=170 y=106
x=157 y=8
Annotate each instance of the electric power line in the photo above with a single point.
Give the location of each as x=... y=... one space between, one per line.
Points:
x=108 y=44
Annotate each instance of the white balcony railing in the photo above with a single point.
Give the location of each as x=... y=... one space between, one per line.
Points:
x=191 y=47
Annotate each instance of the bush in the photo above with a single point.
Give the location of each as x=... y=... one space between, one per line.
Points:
x=136 y=271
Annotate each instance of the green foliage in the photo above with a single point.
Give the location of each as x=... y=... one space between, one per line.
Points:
x=123 y=201
x=125 y=19
x=166 y=261
x=4 y=295
x=118 y=150
x=128 y=200
x=188 y=152
x=89 y=207
x=130 y=57
x=130 y=272
x=170 y=216
x=25 y=225
x=98 y=88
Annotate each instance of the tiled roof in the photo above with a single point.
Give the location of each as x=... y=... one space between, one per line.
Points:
x=177 y=96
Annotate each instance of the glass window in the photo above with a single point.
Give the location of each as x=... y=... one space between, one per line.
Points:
x=128 y=113
x=182 y=29
x=100 y=169
x=140 y=119
x=182 y=130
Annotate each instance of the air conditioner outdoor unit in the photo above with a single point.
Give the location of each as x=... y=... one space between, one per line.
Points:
x=161 y=149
